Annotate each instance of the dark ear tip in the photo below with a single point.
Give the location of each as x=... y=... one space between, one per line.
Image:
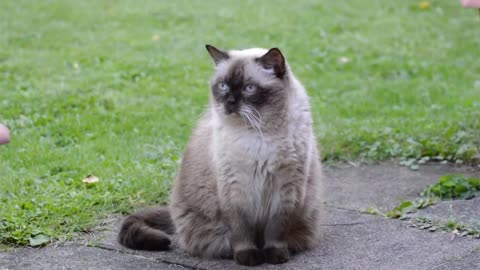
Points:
x=216 y=54
x=276 y=50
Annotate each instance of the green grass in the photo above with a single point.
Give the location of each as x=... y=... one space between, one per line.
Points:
x=85 y=90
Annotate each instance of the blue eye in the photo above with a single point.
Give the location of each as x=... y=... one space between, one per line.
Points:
x=223 y=87
x=250 y=88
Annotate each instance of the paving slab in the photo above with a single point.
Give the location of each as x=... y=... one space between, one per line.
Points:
x=382 y=186
x=466 y=262
x=73 y=256
x=350 y=238
x=371 y=243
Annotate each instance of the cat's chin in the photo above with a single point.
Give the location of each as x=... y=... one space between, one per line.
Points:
x=230 y=115
x=234 y=119
x=227 y=112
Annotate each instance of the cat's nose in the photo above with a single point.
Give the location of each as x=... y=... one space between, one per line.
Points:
x=231 y=101
x=230 y=108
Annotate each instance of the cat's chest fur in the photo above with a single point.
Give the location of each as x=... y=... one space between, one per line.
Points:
x=252 y=153
x=249 y=162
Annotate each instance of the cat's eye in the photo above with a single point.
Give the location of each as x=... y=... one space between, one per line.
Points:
x=250 y=88
x=223 y=87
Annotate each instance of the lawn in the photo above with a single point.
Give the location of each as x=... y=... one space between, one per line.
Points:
x=113 y=89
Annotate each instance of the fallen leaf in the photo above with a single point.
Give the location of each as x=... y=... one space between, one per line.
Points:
x=90 y=179
x=343 y=60
x=424 y=4
x=38 y=240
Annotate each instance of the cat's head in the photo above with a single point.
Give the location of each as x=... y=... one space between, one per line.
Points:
x=249 y=84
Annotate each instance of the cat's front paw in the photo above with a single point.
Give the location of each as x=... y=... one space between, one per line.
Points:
x=249 y=257
x=276 y=255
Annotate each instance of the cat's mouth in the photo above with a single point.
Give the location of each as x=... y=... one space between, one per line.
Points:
x=233 y=113
x=229 y=109
x=250 y=116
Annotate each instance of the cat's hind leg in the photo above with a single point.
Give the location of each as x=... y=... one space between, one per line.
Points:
x=202 y=236
x=304 y=231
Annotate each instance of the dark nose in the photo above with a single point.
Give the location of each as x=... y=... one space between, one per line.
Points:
x=230 y=106
x=231 y=101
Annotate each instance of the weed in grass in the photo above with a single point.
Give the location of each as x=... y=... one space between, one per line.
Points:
x=405 y=207
x=452 y=226
x=454 y=186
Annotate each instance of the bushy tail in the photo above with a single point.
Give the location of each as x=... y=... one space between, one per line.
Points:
x=147 y=230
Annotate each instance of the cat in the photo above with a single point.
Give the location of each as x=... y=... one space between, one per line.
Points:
x=250 y=179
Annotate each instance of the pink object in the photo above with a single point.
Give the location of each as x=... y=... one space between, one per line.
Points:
x=471 y=3
x=4 y=134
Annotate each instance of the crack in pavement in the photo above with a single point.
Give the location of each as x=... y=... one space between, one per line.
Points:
x=343 y=208
x=342 y=224
x=194 y=267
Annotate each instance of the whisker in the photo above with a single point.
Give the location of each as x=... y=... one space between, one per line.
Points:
x=254 y=121
x=258 y=114
x=243 y=118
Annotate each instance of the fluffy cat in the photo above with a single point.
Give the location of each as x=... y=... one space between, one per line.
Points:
x=249 y=182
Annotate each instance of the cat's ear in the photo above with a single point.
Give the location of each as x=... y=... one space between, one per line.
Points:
x=216 y=54
x=275 y=61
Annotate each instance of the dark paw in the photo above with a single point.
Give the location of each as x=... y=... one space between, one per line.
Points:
x=157 y=244
x=276 y=255
x=249 y=257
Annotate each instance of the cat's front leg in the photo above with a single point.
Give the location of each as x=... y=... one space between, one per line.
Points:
x=238 y=215
x=275 y=249
x=290 y=193
x=243 y=232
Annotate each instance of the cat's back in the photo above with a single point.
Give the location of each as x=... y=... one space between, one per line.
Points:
x=195 y=183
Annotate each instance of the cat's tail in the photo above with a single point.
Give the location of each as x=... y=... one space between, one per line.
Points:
x=147 y=230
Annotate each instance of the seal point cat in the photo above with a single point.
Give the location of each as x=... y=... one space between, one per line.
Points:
x=249 y=184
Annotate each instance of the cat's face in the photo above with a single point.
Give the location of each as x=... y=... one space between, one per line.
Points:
x=248 y=84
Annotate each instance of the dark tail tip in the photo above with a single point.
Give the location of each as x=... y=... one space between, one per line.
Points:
x=147 y=230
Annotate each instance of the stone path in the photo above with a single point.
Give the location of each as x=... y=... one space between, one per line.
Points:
x=351 y=239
